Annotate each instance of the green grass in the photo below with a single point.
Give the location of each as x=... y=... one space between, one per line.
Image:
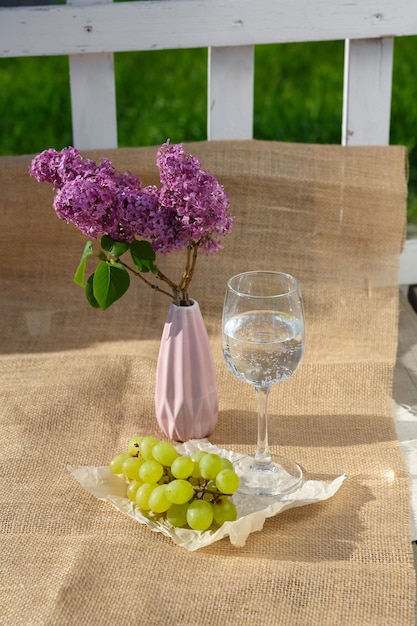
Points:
x=160 y=94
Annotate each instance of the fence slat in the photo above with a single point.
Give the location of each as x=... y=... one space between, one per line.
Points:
x=230 y=93
x=367 y=92
x=93 y=101
x=93 y=96
x=408 y=263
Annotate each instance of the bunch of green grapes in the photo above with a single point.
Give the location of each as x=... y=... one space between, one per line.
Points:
x=189 y=491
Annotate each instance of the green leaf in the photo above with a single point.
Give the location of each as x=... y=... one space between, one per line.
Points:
x=80 y=273
x=143 y=255
x=89 y=292
x=116 y=248
x=110 y=282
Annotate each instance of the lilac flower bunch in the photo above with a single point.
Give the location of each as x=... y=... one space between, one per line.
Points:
x=189 y=210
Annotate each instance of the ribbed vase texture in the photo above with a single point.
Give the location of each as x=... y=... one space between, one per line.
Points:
x=186 y=399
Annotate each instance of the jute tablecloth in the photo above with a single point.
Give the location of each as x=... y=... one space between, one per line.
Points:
x=77 y=383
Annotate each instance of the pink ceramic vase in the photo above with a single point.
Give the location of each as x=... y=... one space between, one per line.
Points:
x=186 y=400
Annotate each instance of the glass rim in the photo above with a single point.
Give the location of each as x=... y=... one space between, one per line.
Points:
x=291 y=289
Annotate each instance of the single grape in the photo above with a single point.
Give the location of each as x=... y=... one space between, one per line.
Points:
x=224 y=510
x=196 y=471
x=200 y=515
x=132 y=488
x=179 y=491
x=165 y=453
x=131 y=466
x=227 y=463
x=196 y=457
x=210 y=466
x=227 y=481
x=146 y=445
x=133 y=445
x=143 y=494
x=177 y=515
x=150 y=471
x=195 y=481
x=182 y=467
x=115 y=465
x=158 y=501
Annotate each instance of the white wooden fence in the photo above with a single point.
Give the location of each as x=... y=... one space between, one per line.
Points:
x=90 y=32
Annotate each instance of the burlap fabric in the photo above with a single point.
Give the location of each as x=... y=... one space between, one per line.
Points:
x=77 y=383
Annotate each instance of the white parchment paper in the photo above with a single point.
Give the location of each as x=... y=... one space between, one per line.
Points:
x=252 y=510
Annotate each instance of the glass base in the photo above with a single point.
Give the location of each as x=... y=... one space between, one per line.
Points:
x=279 y=477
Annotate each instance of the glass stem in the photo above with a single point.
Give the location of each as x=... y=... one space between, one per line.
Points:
x=262 y=456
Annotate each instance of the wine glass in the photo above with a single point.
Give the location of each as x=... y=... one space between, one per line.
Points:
x=263 y=343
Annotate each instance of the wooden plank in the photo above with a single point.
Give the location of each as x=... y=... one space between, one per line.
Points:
x=93 y=97
x=405 y=384
x=367 y=92
x=165 y=24
x=405 y=373
x=93 y=101
x=408 y=264
x=230 y=93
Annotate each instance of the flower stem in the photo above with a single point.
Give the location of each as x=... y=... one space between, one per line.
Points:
x=191 y=260
x=187 y=266
x=191 y=271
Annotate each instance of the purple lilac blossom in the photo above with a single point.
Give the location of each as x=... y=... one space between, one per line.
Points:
x=134 y=208
x=191 y=205
x=88 y=202
x=88 y=195
x=60 y=167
